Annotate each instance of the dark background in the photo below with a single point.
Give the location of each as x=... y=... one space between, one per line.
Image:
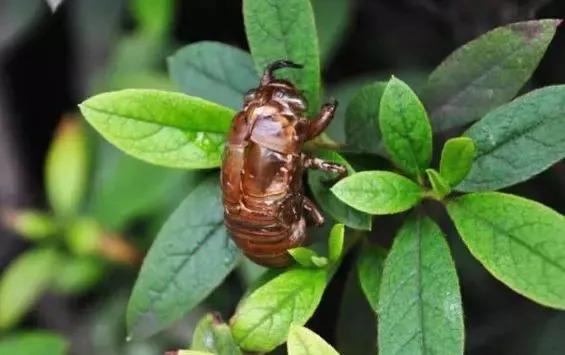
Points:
x=42 y=76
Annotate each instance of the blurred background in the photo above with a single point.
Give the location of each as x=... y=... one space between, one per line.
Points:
x=77 y=252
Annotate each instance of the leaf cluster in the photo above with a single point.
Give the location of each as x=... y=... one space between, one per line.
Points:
x=413 y=288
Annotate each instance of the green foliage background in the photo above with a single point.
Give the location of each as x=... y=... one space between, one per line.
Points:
x=411 y=287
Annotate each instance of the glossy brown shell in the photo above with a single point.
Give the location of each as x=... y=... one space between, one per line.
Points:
x=262 y=183
x=262 y=169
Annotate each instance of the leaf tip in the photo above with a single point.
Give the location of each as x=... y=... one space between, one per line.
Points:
x=319 y=261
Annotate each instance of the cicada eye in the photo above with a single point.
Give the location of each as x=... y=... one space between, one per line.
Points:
x=249 y=96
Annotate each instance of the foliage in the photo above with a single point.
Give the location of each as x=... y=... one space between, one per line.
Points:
x=413 y=288
x=72 y=248
x=34 y=342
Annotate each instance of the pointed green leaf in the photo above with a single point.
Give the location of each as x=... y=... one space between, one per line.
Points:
x=362 y=119
x=319 y=182
x=66 y=168
x=405 y=129
x=285 y=30
x=335 y=242
x=420 y=308
x=23 y=282
x=214 y=71
x=439 y=186
x=34 y=342
x=214 y=336
x=378 y=192
x=320 y=261
x=303 y=341
x=518 y=140
x=519 y=241
x=370 y=265
x=263 y=319
x=190 y=257
x=30 y=224
x=303 y=256
x=456 y=159
x=486 y=72
x=161 y=127
x=332 y=20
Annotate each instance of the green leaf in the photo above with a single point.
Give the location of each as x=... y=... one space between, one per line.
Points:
x=285 y=30
x=335 y=242
x=518 y=140
x=78 y=274
x=160 y=127
x=262 y=321
x=303 y=256
x=214 y=336
x=378 y=192
x=456 y=159
x=23 y=282
x=419 y=303
x=188 y=352
x=116 y=200
x=66 y=168
x=362 y=119
x=320 y=261
x=346 y=89
x=486 y=72
x=30 y=224
x=370 y=265
x=153 y=17
x=439 y=186
x=190 y=257
x=34 y=342
x=214 y=71
x=319 y=183
x=519 y=241
x=303 y=341
x=332 y=21
x=405 y=129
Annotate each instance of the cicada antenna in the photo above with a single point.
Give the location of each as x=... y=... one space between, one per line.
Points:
x=268 y=75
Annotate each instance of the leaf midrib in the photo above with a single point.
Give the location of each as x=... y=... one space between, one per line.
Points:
x=449 y=102
x=420 y=283
x=282 y=301
x=516 y=240
x=520 y=133
x=144 y=120
x=172 y=276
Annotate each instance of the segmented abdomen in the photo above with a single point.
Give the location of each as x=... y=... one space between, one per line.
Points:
x=263 y=198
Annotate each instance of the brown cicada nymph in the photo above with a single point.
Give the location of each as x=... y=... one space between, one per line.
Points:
x=264 y=202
